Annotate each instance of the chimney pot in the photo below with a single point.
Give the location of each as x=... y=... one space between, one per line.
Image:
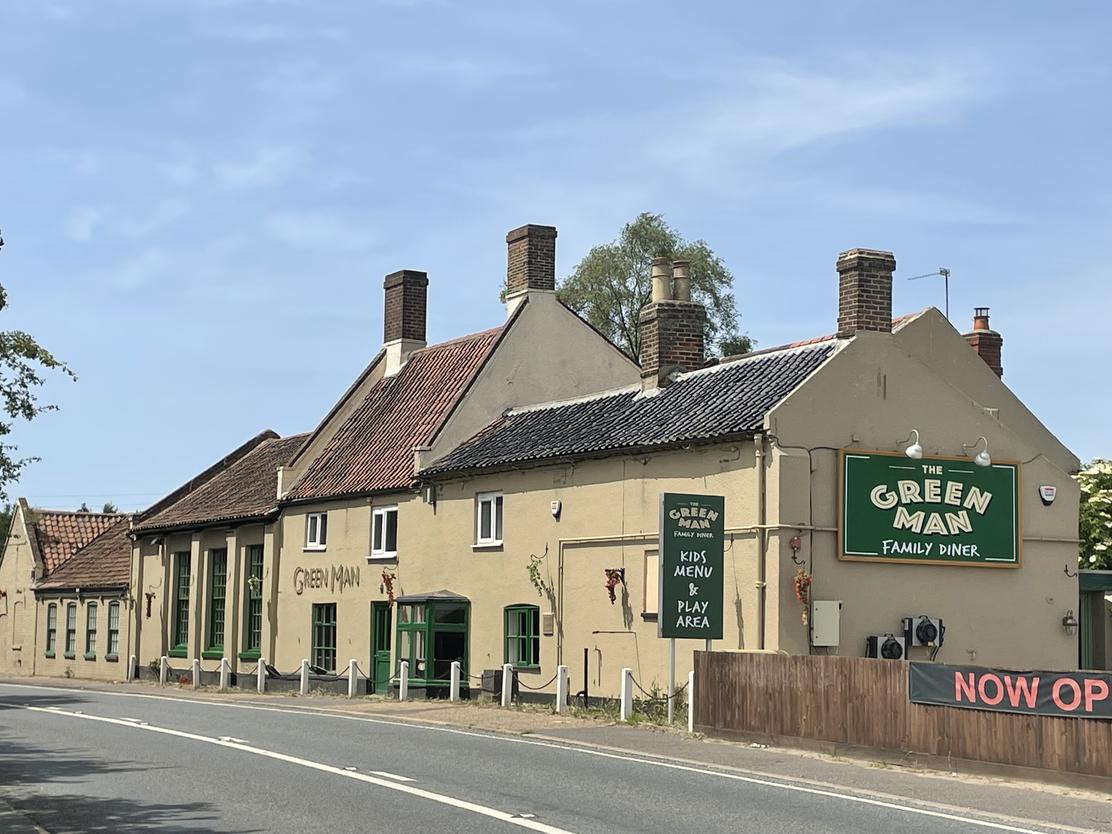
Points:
x=987 y=342
x=681 y=280
x=403 y=320
x=660 y=280
x=531 y=259
x=865 y=291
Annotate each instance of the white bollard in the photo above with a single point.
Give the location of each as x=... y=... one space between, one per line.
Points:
x=691 y=701
x=163 y=670
x=132 y=662
x=353 y=677
x=507 y=684
x=561 y=688
x=453 y=686
x=304 y=677
x=225 y=673
x=196 y=672
x=403 y=680
x=260 y=684
x=627 y=694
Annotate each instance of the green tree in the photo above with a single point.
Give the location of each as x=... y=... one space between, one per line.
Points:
x=612 y=283
x=23 y=363
x=1095 y=481
x=84 y=508
x=6 y=513
x=109 y=507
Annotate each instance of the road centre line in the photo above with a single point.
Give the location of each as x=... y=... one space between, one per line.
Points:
x=443 y=799
x=764 y=780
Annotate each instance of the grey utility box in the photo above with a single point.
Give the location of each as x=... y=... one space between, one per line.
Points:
x=826 y=622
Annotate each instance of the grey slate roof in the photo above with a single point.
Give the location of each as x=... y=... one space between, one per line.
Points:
x=730 y=399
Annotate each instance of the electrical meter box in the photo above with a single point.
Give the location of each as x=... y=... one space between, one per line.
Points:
x=826 y=621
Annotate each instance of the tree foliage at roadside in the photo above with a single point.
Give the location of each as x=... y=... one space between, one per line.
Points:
x=1095 y=481
x=23 y=367
x=613 y=282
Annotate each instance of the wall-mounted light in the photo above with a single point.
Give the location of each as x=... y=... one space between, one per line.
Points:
x=982 y=458
x=915 y=450
x=1069 y=623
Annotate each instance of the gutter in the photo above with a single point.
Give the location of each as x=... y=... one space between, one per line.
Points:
x=762 y=539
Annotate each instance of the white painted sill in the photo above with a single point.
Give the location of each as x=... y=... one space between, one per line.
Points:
x=315 y=548
x=383 y=557
x=487 y=546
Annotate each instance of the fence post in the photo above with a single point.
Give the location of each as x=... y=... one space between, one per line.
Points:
x=353 y=677
x=304 y=677
x=260 y=684
x=561 y=688
x=453 y=693
x=627 y=694
x=225 y=673
x=403 y=680
x=163 y=670
x=507 y=684
x=132 y=661
x=196 y=672
x=691 y=701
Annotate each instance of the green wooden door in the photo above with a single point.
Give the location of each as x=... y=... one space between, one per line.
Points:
x=380 y=646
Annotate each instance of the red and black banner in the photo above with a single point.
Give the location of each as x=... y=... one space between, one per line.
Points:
x=1060 y=694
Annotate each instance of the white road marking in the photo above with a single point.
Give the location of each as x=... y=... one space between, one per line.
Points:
x=769 y=780
x=395 y=776
x=234 y=739
x=443 y=799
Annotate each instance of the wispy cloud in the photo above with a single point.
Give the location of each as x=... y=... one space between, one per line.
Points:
x=321 y=230
x=265 y=166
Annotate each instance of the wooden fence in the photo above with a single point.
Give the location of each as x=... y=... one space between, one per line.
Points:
x=864 y=703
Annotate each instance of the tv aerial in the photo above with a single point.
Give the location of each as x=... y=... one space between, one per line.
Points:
x=945 y=273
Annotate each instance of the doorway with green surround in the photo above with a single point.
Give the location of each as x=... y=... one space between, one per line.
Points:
x=433 y=631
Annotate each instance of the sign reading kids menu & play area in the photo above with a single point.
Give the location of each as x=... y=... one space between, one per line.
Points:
x=937 y=510
x=692 y=535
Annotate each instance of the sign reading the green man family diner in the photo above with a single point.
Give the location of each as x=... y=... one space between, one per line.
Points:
x=937 y=510
x=692 y=531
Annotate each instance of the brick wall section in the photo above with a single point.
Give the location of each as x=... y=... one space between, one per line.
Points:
x=404 y=314
x=671 y=339
x=531 y=259
x=865 y=291
x=987 y=342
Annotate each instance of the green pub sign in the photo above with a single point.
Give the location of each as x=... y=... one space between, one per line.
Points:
x=937 y=510
x=692 y=532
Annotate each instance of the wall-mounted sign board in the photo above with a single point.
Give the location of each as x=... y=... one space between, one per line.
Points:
x=692 y=542
x=937 y=510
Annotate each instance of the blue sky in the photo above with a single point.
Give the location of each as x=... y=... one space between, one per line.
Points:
x=200 y=199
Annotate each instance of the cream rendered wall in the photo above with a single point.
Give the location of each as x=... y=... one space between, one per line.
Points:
x=150 y=574
x=99 y=666
x=548 y=353
x=994 y=616
x=17 y=608
x=348 y=546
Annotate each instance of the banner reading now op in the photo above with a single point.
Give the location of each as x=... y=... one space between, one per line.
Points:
x=692 y=536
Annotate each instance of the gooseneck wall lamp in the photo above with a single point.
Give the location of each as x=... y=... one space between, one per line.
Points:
x=915 y=450
x=982 y=458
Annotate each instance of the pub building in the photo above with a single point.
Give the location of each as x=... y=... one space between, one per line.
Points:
x=496 y=499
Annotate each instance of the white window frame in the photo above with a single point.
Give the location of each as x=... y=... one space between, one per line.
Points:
x=383 y=513
x=496 y=501
x=321 y=526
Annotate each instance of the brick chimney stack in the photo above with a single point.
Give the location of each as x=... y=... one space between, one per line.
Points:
x=530 y=262
x=671 y=329
x=403 y=321
x=865 y=291
x=987 y=342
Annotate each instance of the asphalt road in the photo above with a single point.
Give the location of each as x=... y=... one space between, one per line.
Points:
x=76 y=761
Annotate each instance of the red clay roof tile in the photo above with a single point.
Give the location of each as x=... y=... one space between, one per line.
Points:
x=59 y=534
x=105 y=562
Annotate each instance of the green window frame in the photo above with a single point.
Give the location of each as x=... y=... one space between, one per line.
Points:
x=180 y=647
x=253 y=615
x=51 y=629
x=90 y=631
x=522 y=636
x=218 y=595
x=113 y=631
x=324 y=636
x=71 y=630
